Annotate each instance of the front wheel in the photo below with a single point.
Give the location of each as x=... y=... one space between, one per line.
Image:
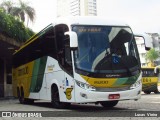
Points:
x=56 y=101
x=147 y=92
x=156 y=91
x=109 y=103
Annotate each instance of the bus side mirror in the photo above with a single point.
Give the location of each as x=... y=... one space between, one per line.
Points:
x=147 y=40
x=157 y=69
x=73 y=39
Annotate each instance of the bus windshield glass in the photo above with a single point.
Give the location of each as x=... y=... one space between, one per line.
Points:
x=106 y=49
x=148 y=72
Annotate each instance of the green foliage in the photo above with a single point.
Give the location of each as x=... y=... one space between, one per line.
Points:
x=13 y=27
x=152 y=55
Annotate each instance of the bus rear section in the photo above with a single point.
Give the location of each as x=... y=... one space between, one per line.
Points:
x=149 y=80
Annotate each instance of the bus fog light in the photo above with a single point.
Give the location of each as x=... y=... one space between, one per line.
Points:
x=83 y=95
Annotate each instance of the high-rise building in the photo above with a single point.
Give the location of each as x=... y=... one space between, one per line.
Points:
x=76 y=8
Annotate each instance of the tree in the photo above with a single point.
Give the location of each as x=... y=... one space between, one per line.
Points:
x=151 y=56
x=13 y=28
x=22 y=10
x=7 y=6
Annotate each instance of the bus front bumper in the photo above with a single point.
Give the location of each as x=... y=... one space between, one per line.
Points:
x=85 y=96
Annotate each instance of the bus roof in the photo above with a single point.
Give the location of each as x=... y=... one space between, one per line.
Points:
x=34 y=37
x=89 y=20
x=77 y=20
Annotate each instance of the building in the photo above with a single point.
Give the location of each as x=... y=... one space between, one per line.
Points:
x=141 y=49
x=156 y=44
x=155 y=40
x=76 y=8
x=7 y=48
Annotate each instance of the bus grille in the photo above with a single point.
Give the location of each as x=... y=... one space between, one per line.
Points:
x=113 y=89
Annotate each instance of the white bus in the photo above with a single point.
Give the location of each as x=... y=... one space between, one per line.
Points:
x=79 y=60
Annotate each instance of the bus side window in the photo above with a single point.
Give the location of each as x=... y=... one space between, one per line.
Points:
x=63 y=48
x=67 y=51
x=68 y=58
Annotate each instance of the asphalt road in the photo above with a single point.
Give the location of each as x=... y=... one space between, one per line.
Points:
x=147 y=107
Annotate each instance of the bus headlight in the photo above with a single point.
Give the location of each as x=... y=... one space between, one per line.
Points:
x=136 y=84
x=85 y=86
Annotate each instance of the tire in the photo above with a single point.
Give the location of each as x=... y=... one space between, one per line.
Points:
x=56 y=101
x=18 y=92
x=109 y=103
x=23 y=100
x=29 y=101
x=147 y=92
x=156 y=91
x=21 y=97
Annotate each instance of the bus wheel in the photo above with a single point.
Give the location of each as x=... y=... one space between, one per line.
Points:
x=23 y=100
x=147 y=92
x=156 y=91
x=29 y=101
x=21 y=97
x=56 y=101
x=109 y=103
x=18 y=92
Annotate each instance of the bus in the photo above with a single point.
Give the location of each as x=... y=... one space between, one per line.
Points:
x=78 y=60
x=150 y=80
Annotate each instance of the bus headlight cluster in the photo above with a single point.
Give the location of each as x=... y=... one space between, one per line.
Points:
x=85 y=86
x=136 y=84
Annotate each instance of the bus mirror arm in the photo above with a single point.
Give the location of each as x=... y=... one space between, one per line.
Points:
x=73 y=39
x=147 y=40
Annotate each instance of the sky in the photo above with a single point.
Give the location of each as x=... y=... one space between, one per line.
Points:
x=141 y=15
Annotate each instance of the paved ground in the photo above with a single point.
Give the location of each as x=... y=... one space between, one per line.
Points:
x=149 y=103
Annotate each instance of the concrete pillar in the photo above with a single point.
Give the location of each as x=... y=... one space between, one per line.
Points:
x=8 y=92
x=5 y=77
x=1 y=78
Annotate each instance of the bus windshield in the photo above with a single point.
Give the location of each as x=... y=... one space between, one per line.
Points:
x=106 y=49
x=148 y=72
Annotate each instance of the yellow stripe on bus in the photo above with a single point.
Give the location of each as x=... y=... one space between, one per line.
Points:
x=100 y=82
x=26 y=44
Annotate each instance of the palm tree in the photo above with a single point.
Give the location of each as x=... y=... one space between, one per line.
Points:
x=21 y=10
x=151 y=56
x=7 y=6
x=24 y=10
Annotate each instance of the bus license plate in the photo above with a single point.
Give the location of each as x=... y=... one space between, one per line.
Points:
x=114 y=96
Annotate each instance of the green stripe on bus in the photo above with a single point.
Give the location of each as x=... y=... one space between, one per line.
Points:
x=132 y=80
x=120 y=81
x=38 y=74
x=34 y=75
x=41 y=71
x=126 y=81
